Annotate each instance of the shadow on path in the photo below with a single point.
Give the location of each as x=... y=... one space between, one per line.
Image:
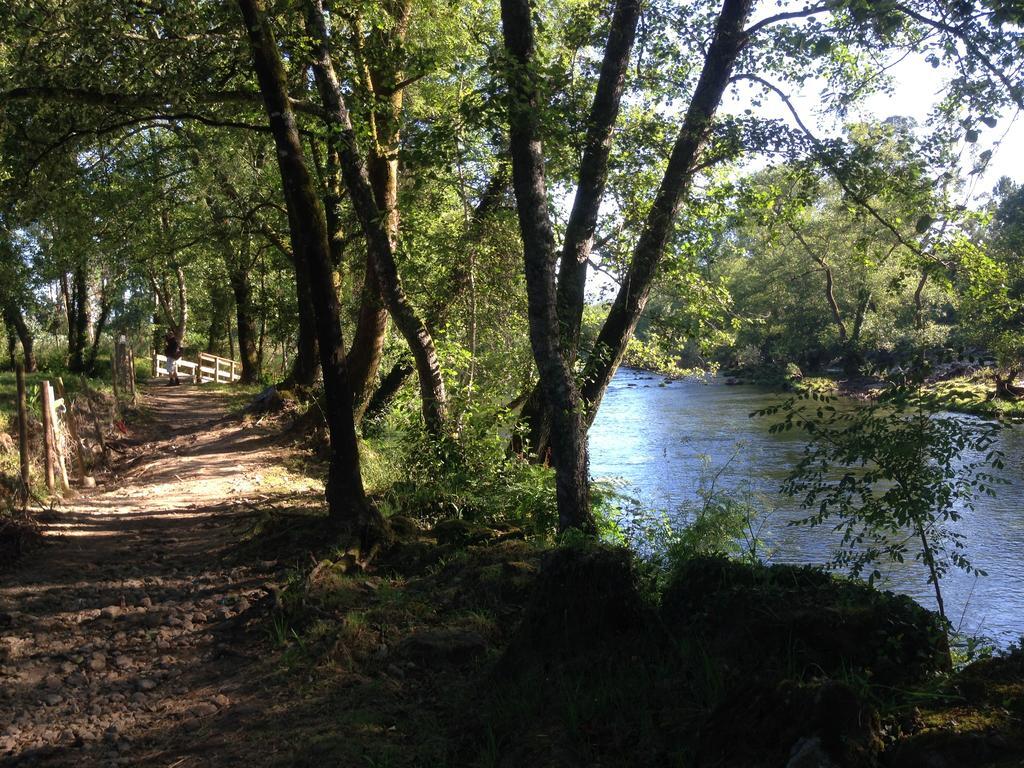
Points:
x=116 y=640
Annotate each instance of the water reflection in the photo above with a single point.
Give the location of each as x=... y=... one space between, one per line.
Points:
x=656 y=438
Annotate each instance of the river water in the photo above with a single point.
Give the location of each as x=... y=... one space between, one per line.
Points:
x=657 y=439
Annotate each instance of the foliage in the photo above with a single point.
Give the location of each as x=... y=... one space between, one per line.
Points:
x=891 y=477
x=470 y=477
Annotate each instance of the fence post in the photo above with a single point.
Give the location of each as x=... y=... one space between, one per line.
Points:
x=96 y=425
x=231 y=378
x=131 y=373
x=115 y=367
x=47 y=434
x=23 y=433
x=87 y=482
x=58 y=442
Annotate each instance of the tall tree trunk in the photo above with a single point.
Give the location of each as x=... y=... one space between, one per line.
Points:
x=238 y=266
x=368 y=341
x=78 y=309
x=15 y=320
x=490 y=200
x=176 y=319
x=726 y=44
x=919 y=300
x=432 y=391
x=383 y=74
x=245 y=319
x=220 y=314
x=346 y=498
x=12 y=343
x=569 y=440
x=593 y=173
x=579 y=232
x=106 y=305
x=182 y=319
x=306 y=362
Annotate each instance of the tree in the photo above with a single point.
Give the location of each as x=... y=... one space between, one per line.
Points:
x=890 y=477
x=346 y=498
x=991 y=285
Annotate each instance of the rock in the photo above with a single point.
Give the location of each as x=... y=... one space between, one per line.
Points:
x=53 y=682
x=97 y=662
x=403 y=527
x=821 y=724
x=146 y=684
x=220 y=700
x=203 y=709
x=269 y=400
x=110 y=612
x=809 y=753
x=53 y=699
x=443 y=646
x=122 y=662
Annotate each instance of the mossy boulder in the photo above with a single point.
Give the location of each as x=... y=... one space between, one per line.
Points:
x=799 y=622
x=978 y=721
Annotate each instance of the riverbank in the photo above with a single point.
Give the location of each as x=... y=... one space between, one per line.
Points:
x=972 y=393
x=953 y=388
x=193 y=630
x=463 y=644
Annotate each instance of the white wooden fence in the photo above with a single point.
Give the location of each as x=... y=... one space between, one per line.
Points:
x=210 y=368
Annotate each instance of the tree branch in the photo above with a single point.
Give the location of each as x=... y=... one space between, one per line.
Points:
x=809 y=11
x=141 y=100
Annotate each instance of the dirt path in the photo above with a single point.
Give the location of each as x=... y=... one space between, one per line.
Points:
x=118 y=640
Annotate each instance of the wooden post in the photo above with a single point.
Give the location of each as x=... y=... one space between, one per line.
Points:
x=47 y=434
x=231 y=378
x=116 y=365
x=58 y=441
x=86 y=480
x=155 y=364
x=96 y=425
x=23 y=433
x=131 y=373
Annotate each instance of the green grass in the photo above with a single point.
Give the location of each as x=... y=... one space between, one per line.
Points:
x=9 y=392
x=235 y=396
x=973 y=394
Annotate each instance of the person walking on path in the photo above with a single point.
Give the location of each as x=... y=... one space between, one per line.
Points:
x=172 y=350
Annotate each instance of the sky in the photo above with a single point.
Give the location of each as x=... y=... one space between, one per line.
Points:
x=916 y=88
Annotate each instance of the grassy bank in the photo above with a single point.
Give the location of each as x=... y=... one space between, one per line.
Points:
x=473 y=645
x=973 y=393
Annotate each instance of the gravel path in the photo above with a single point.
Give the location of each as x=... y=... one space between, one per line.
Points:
x=118 y=642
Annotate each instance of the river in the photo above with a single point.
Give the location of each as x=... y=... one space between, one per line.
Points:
x=657 y=438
